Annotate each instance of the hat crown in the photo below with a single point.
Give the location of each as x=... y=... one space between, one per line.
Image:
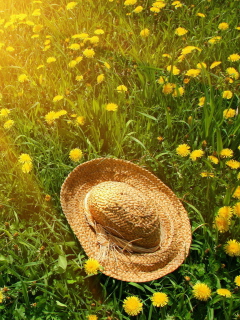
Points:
x=125 y=212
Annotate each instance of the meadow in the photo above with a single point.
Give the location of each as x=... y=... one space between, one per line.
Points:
x=155 y=83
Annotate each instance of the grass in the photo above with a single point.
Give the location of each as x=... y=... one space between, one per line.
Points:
x=41 y=261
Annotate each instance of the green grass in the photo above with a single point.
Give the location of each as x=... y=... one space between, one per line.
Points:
x=41 y=261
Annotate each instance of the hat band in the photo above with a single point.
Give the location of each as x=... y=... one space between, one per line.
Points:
x=105 y=238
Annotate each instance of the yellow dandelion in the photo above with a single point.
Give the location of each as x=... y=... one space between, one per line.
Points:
x=215 y=64
x=132 y=305
x=36 y=13
x=94 y=39
x=234 y=57
x=71 y=5
x=168 y=88
x=1 y=296
x=145 y=33
x=92 y=317
x=224 y=292
x=81 y=36
x=50 y=117
x=221 y=224
x=225 y=212
x=23 y=78
x=100 y=78
x=75 y=154
x=89 y=53
x=122 y=88
x=233 y=164
x=130 y=2
x=201 y=15
x=51 y=59
x=72 y=63
x=201 y=291
x=60 y=113
x=196 y=154
x=58 y=98
x=79 y=59
x=181 y=31
x=8 y=124
x=201 y=65
x=91 y=266
x=155 y=9
x=232 y=248
x=236 y=209
x=183 y=150
x=189 y=49
x=4 y=112
x=237 y=280
x=214 y=40
x=159 y=299
x=74 y=46
x=79 y=78
x=107 y=65
x=27 y=167
x=201 y=101
x=37 y=28
x=138 y=9
x=24 y=158
x=223 y=26
x=80 y=120
x=178 y=92
x=229 y=113
x=236 y=193
x=226 y=153
x=177 y=4
x=173 y=69
x=193 y=73
x=206 y=174
x=159 y=4
x=233 y=73
x=111 y=107
x=99 y=31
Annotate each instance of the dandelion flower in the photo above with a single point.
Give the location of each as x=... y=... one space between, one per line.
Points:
x=36 y=13
x=27 y=167
x=159 y=4
x=94 y=39
x=201 y=15
x=236 y=209
x=89 y=53
x=226 y=153
x=122 y=88
x=173 y=69
x=214 y=40
x=138 y=9
x=92 y=317
x=91 y=266
x=232 y=72
x=100 y=78
x=233 y=164
x=4 y=112
x=72 y=63
x=201 y=101
x=132 y=305
x=50 y=117
x=74 y=46
x=99 y=31
x=181 y=31
x=111 y=107
x=179 y=91
x=177 y=4
x=223 y=26
x=193 y=73
x=57 y=98
x=130 y=2
x=183 y=150
x=225 y=212
x=234 y=57
x=237 y=193
x=215 y=64
x=79 y=78
x=22 y=78
x=75 y=154
x=201 y=291
x=107 y=65
x=229 y=113
x=189 y=49
x=51 y=59
x=24 y=158
x=8 y=124
x=237 y=280
x=201 y=65
x=232 y=248
x=1 y=296
x=222 y=224
x=168 y=88
x=155 y=9
x=224 y=292
x=196 y=154
x=207 y=174
x=71 y=5
x=80 y=120
x=145 y=33
x=81 y=36
x=159 y=299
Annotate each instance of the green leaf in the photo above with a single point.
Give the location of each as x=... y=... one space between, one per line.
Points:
x=61 y=304
x=62 y=262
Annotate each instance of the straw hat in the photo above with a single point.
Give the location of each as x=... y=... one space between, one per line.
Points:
x=126 y=218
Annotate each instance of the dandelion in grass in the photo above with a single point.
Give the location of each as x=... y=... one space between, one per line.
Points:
x=183 y=150
x=159 y=4
x=159 y=299
x=189 y=49
x=201 y=101
x=232 y=72
x=130 y=2
x=79 y=59
x=91 y=266
x=60 y=113
x=51 y=59
x=58 y=98
x=36 y=13
x=23 y=78
x=99 y=31
x=80 y=120
x=215 y=64
x=24 y=158
x=8 y=124
x=236 y=209
x=233 y=164
x=138 y=9
x=226 y=153
x=132 y=305
x=71 y=5
x=100 y=78
x=155 y=9
x=27 y=167
x=232 y=248
x=145 y=33
x=195 y=154
x=37 y=28
x=224 y=292
x=74 y=46
x=111 y=107
x=75 y=154
x=237 y=280
x=94 y=39
x=92 y=317
x=35 y=36
x=223 y=26
x=79 y=78
x=206 y=174
x=72 y=63
x=234 y=57
x=214 y=40
x=178 y=92
x=201 y=291
x=168 y=88
x=229 y=113
x=221 y=224
x=201 y=65
x=201 y=15
x=181 y=31
x=177 y=4
x=121 y=88
x=1 y=296
x=107 y=65
x=89 y=53
x=236 y=193
x=4 y=113
x=225 y=212
x=173 y=69
x=193 y=73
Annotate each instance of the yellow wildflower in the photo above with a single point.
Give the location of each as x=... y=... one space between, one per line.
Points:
x=111 y=107
x=234 y=57
x=89 y=53
x=232 y=248
x=201 y=291
x=236 y=193
x=8 y=124
x=236 y=209
x=193 y=73
x=168 y=88
x=229 y=113
x=215 y=64
x=51 y=59
x=173 y=69
x=75 y=154
x=132 y=305
x=159 y=299
x=224 y=292
x=183 y=150
x=223 y=26
x=122 y=88
x=58 y=98
x=227 y=94
x=145 y=33
x=71 y=5
x=91 y=266
x=196 y=154
x=233 y=164
x=226 y=153
x=233 y=73
x=100 y=78
x=181 y=31
x=138 y=9
x=222 y=224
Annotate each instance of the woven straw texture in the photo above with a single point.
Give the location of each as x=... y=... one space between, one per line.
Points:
x=109 y=201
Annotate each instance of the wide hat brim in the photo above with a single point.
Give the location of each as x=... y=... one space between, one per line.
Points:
x=118 y=263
